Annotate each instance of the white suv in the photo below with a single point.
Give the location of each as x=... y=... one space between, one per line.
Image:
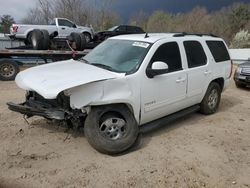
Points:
x=129 y=81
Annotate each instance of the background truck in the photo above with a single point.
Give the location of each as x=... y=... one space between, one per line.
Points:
x=58 y=30
x=11 y=60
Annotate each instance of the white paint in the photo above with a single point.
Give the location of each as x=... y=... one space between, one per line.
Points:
x=51 y=79
x=148 y=98
x=239 y=55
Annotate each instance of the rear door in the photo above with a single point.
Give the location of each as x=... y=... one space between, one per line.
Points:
x=199 y=71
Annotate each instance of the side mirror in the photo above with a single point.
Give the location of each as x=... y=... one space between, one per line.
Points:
x=157 y=68
x=74 y=26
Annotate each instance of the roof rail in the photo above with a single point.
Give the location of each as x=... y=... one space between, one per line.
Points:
x=195 y=34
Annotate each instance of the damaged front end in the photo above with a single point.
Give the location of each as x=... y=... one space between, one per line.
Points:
x=52 y=109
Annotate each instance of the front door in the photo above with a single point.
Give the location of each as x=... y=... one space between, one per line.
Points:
x=162 y=95
x=65 y=28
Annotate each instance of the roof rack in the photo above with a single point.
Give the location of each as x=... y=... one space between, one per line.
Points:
x=195 y=34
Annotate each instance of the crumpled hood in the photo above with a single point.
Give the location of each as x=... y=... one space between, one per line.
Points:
x=51 y=79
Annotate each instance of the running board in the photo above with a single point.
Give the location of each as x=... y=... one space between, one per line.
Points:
x=156 y=124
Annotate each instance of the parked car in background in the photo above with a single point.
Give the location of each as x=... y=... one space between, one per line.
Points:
x=59 y=28
x=242 y=74
x=118 y=30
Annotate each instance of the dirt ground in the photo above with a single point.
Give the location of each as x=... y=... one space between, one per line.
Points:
x=195 y=151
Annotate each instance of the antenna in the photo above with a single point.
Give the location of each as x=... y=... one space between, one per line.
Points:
x=146 y=35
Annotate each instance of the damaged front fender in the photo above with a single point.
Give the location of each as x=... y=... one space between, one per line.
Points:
x=113 y=91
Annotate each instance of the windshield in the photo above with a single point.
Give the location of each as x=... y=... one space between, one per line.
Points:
x=112 y=28
x=118 y=55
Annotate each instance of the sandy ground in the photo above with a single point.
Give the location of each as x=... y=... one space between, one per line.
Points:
x=195 y=151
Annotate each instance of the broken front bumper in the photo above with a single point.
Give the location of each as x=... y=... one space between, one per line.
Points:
x=29 y=111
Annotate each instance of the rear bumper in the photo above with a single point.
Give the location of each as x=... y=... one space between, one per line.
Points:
x=25 y=109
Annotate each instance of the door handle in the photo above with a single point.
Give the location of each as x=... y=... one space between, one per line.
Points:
x=179 y=80
x=63 y=28
x=207 y=72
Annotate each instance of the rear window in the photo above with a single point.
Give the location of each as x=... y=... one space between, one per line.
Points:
x=195 y=54
x=218 y=50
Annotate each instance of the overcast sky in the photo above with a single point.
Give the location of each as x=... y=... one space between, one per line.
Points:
x=16 y=8
x=126 y=8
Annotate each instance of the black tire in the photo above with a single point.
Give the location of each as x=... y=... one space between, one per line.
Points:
x=27 y=41
x=37 y=39
x=46 y=40
x=87 y=37
x=77 y=40
x=83 y=42
x=8 y=70
x=211 y=100
x=240 y=85
x=101 y=129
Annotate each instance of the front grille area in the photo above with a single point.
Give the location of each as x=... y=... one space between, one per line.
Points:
x=61 y=101
x=245 y=71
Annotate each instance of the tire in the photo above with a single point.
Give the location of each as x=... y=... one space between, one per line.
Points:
x=239 y=85
x=8 y=70
x=37 y=39
x=211 y=100
x=111 y=129
x=87 y=37
x=83 y=42
x=27 y=41
x=46 y=40
x=77 y=40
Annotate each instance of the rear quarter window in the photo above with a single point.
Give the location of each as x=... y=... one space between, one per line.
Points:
x=218 y=50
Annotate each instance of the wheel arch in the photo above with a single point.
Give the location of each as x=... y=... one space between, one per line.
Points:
x=122 y=104
x=219 y=81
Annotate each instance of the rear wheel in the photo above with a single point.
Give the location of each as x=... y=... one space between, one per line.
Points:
x=8 y=70
x=37 y=39
x=27 y=41
x=211 y=100
x=46 y=40
x=111 y=129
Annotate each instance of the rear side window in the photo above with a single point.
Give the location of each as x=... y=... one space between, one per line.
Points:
x=170 y=54
x=195 y=54
x=218 y=50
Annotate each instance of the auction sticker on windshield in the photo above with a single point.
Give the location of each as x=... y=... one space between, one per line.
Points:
x=141 y=44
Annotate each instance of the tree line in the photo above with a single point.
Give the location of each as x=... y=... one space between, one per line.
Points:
x=231 y=23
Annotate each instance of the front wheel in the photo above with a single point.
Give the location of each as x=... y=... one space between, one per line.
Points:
x=87 y=37
x=211 y=100
x=111 y=129
x=240 y=85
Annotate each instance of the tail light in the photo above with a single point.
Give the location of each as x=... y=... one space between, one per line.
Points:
x=14 y=28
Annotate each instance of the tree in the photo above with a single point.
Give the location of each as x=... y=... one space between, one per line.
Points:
x=140 y=19
x=241 y=40
x=159 y=21
x=6 y=22
x=41 y=14
x=239 y=16
x=195 y=21
x=104 y=17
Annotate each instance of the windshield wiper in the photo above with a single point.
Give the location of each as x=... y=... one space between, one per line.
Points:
x=84 y=60
x=102 y=66
x=97 y=64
